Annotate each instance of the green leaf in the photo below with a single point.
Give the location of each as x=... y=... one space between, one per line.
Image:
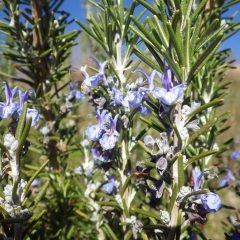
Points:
x=146 y=149
x=162 y=34
x=33 y=221
x=203 y=129
x=151 y=63
x=125 y=186
x=204 y=191
x=173 y=198
x=181 y=175
x=22 y=139
x=175 y=38
x=109 y=232
x=145 y=34
x=41 y=194
x=153 y=123
x=148 y=6
x=199 y=9
x=186 y=44
x=21 y=122
x=205 y=56
x=130 y=12
x=200 y=156
x=163 y=16
x=26 y=188
x=201 y=108
x=146 y=213
x=109 y=204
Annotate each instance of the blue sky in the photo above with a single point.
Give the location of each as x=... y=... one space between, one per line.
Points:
x=76 y=8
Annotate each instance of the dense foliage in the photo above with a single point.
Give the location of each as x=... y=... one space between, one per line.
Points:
x=148 y=164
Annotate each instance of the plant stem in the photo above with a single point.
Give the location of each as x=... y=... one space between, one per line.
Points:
x=177 y=147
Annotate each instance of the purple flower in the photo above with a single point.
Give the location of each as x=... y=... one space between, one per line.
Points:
x=117 y=97
x=93 y=81
x=36 y=183
x=101 y=71
x=149 y=141
x=211 y=202
x=110 y=185
x=193 y=236
x=99 y=154
x=75 y=93
x=169 y=95
x=134 y=98
x=226 y=180
x=31 y=112
x=9 y=107
x=110 y=138
x=197 y=176
x=95 y=131
x=144 y=110
x=234 y=236
x=150 y=78
x=235 y=155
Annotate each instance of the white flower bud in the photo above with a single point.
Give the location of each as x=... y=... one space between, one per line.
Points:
x=165 y=217
x=8 y=140
x=8 y=193
x=45 y=130
x=182 y=193
x=14 y=168
x=78 y=170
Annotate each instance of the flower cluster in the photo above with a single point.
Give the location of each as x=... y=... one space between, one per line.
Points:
x=130 y=95
x=12 y=144
x=104 y=134
x=168 y=94
x=12 y=108
x=136 y=226
x=13 y=206
x=210 y=201
x=197 y=206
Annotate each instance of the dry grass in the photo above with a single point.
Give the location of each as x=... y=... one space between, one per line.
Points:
x=232 y=104
x=215 y=227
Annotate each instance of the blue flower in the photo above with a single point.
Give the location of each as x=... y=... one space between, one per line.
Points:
x=110 y=185
x=31 y=112
x=226 y=180
x=98 y=154
x=117 y=97
x=211 y=202
x=75 y=93
x=193 y=236
x=101 y=71
x=234 y=236
x=169 y=95
x=144 y=110
x=93 y=81
x=197 y=176
x=9 y=107
x=235 y=155
x=150 y=78
x=110 y=138
x=36 y=183
x=134 y=98
x=95 y=131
